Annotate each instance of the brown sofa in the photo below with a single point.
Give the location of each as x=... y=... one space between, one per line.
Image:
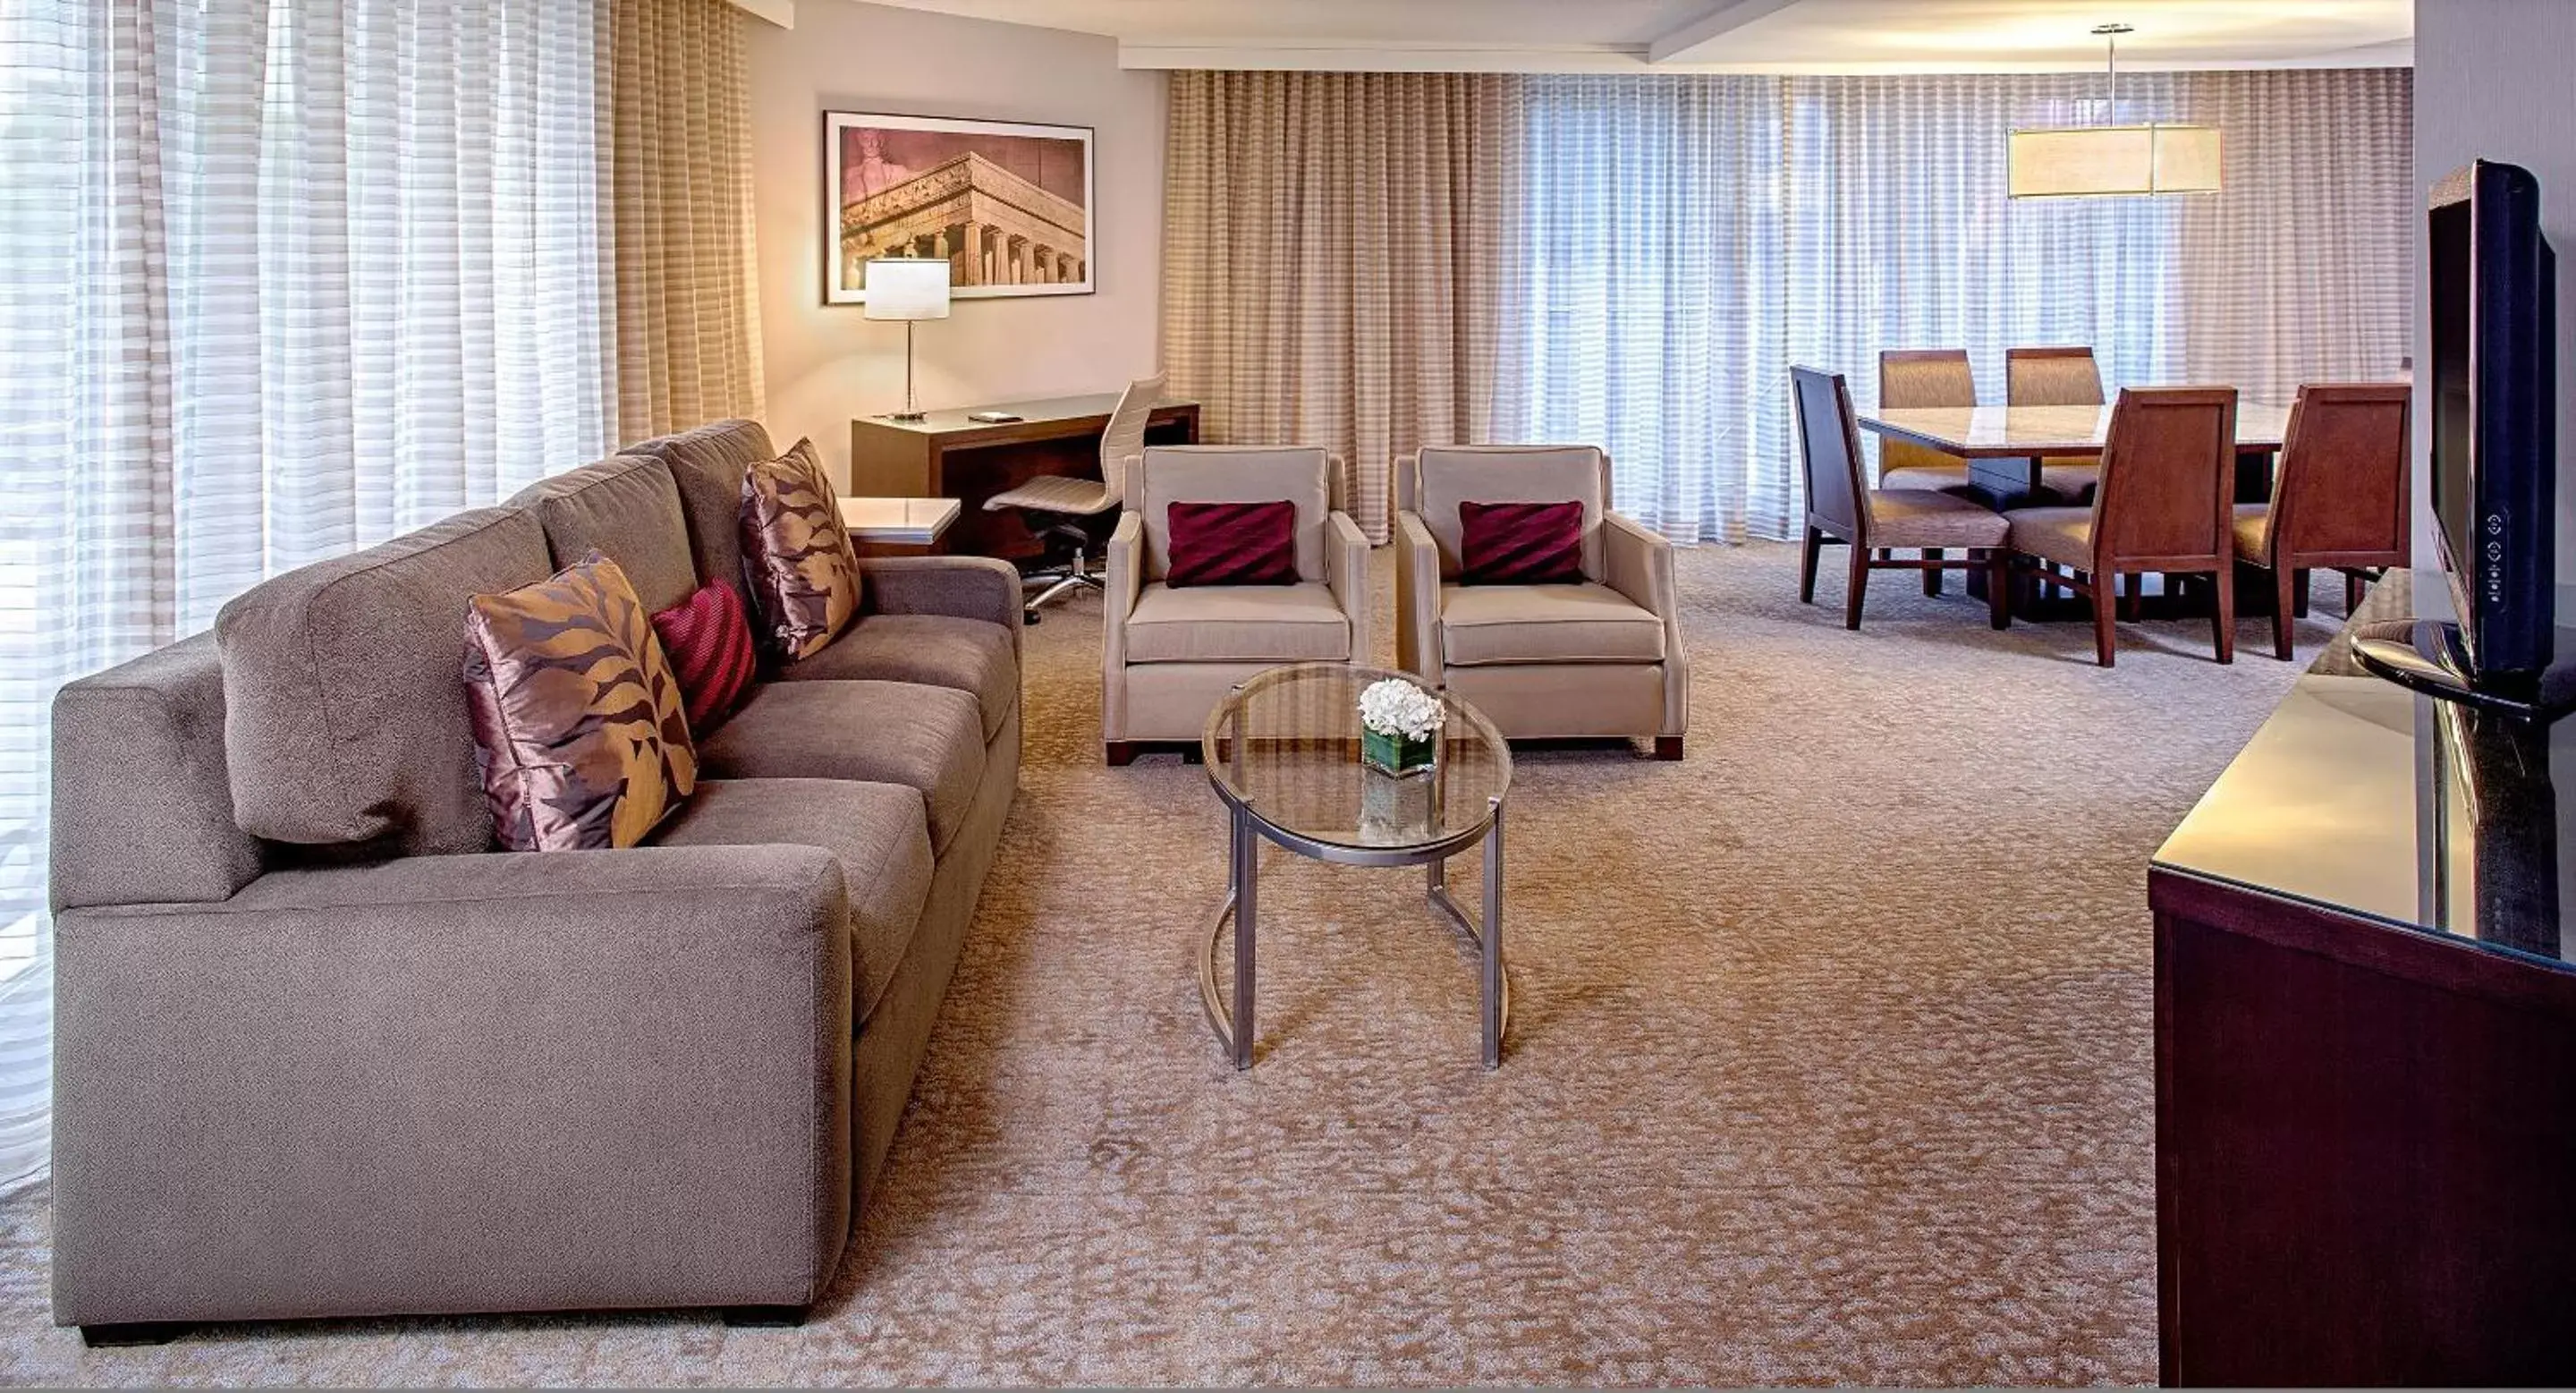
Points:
x=322 y=1051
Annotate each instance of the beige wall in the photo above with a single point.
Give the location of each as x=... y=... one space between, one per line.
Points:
x=2491 y=82
x=826 y=364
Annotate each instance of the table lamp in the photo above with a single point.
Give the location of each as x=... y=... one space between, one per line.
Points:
x=909 y=289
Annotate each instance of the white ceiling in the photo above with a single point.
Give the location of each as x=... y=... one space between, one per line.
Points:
x=1846 y=36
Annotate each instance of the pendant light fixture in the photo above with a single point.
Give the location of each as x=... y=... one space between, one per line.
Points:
x=2112 y=160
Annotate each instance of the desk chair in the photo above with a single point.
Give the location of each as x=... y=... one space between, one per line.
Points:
x=1058 y=507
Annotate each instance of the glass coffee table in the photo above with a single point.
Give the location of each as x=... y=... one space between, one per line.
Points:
x=1283 y=750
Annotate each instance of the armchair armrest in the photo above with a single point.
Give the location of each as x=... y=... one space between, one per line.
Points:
x=1346 y=573
x=549 y=1081
x=1639 y=565
x=1417 y=598
x=969 y=587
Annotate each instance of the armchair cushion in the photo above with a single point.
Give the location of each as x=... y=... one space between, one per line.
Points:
x=1232 y=543
x=875 y=831
x=1520 y=543
x=1238 y=624
x=925 y=738
x=1585 y=623
x=1232 y=474
x=935 y=650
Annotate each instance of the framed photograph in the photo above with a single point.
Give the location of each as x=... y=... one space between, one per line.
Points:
x=1009 y=205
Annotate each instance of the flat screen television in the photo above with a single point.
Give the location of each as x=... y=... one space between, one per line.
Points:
x=2494 y=410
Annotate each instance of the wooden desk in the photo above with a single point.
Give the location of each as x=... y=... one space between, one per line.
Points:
x=2003 y=444
x=945 y=455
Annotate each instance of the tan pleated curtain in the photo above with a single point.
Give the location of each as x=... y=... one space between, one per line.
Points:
x=1335 y=251
x=675 y=178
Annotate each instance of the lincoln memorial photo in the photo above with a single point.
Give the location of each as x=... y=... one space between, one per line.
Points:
x=1007 y=205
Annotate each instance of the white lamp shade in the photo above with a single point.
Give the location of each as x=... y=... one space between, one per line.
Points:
x=2095 y=161
x=907 y=288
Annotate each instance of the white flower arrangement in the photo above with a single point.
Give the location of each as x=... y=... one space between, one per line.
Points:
x=1395 y=707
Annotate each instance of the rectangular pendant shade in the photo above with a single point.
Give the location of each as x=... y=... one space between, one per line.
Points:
x=2096 y=161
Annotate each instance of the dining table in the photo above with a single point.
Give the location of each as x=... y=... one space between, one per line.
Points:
x=2003 y=445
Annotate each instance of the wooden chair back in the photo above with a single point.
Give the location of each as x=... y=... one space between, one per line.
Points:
x=2342 y=496
x=1829 y=453
x=2168 y=475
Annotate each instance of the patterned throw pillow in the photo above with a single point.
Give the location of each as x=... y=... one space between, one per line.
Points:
x=1232 y=544
x=1520 y=543
x=803 y=571
x=582 y=739
x=709 y=643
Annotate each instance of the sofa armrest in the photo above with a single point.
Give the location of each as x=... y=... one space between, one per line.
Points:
x=969 y=587
x=1346 y=572
x=1639 y=565
x=1417 y=598
x=551 y=1081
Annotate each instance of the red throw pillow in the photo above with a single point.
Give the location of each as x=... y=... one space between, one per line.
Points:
x=1232 y=544
x=708 y=639
x=1520 y=543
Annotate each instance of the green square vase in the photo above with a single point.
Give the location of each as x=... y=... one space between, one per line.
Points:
x=1394 y=754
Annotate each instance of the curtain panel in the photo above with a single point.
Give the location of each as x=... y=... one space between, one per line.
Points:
x=1338 y=249
x=280 y=278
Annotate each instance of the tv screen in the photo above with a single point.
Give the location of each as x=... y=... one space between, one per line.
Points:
x=2494 y=404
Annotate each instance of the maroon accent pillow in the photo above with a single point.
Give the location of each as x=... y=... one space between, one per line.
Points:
x=708 y=639
x=1232 y=544
x=1520 y=543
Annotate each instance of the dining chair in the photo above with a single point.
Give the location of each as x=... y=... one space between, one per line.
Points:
x=2168 y=470
x=2057 y=377
x=1059 y=508
x=1842 y=507
x=2339 y=499
x=1911 y=377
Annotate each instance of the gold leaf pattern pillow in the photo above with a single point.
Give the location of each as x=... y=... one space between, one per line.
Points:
x=582 y=737
x=803 y=571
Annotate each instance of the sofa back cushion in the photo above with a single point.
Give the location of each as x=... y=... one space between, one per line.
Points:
x=1434 y=483
x=344 y=718
x=626 y=508
x=1166 y=474
x=707 y=464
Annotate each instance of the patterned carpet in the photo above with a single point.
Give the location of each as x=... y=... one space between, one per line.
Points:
x=1830 y=1062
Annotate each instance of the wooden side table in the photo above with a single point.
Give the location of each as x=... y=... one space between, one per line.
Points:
x=881 y=525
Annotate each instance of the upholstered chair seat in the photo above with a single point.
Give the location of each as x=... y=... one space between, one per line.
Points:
x=1171 y=652
x=1595 y=654
x=1909 y=518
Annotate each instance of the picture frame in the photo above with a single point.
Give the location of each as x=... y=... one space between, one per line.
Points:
x=1009 y=204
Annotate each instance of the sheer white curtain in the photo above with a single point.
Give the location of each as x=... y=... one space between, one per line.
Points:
x=1650 y=303
x=1685 y=239
x=277 y=278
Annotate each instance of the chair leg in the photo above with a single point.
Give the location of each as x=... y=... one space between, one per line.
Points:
x=1668 y=747
x=2225 y=618
x=2105 y=611
x=2302 y=595
x=2283 y=579
x=1118 y=753
x=1859 y=587
x=2353 y=585
x=1807 y=566
x=1999 y=587
x=2133 y=587
x=1931 y=576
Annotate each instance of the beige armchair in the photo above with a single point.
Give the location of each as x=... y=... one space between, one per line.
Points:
x=1601 y=658
x=1169 y=656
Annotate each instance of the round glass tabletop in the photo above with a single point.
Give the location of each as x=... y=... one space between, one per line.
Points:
x=1285 y=747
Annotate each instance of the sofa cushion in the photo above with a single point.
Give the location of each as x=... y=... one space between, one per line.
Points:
x=344 y=718
x=708 y=640
x=1520 y=543
x=924 y=738
x=581 y=733
x=1443 y=476
x=875 y=831
x=627 y=509
x=935 y=650
x=707 y=465
x=804 y=573
x=1238 y=624
x=1232 y=543
x=1546 y=624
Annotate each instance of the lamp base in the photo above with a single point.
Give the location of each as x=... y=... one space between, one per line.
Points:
x=907 y=416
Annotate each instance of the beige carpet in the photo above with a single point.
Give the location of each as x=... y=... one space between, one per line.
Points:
x=1830 y=1061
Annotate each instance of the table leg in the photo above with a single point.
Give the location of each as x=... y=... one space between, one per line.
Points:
x=1493 y=940
x=1247 y=891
